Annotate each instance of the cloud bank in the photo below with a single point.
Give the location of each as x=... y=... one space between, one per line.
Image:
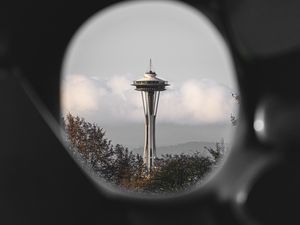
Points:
x=114 y=100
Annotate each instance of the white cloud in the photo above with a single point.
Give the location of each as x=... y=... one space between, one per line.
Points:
x=81 y=94
x=114 y=100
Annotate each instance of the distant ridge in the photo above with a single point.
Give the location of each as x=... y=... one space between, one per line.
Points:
x=187 y=148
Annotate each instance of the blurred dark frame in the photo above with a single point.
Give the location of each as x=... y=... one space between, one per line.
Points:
x=43 y=185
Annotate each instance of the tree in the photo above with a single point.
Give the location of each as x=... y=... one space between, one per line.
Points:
x=234 y=119
x=175 y=173
x=217 y=153
x=123 y=166
x=89 y=141
x=118 y=165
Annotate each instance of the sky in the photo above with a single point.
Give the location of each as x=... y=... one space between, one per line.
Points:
x=113 y=48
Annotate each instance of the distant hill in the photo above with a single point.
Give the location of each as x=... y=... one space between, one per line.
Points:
x=188 y=148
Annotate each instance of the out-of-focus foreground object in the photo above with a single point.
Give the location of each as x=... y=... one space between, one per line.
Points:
x=259 y=181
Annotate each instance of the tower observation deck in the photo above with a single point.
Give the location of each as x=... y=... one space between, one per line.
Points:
x=150 y=87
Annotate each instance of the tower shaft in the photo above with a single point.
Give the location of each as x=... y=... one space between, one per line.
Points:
x=150 y=103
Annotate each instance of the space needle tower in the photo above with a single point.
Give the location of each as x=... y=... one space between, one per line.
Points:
x=150 y=87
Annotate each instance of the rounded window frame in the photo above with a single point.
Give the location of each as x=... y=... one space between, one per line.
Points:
x=203 y=191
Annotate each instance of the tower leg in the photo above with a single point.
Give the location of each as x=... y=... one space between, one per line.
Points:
x=149 y=104
x=146 y=143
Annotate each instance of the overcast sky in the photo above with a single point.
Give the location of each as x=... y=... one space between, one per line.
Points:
x=113 y=48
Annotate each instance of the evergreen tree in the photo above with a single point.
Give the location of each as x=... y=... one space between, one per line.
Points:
x=176 y=173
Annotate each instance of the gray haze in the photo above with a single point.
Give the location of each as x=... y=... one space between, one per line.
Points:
x=167 y=134
x=113 y=48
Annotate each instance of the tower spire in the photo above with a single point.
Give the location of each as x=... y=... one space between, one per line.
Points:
x=150 y=65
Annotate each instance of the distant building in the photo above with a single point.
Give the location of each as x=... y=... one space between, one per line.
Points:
x=150 y=87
